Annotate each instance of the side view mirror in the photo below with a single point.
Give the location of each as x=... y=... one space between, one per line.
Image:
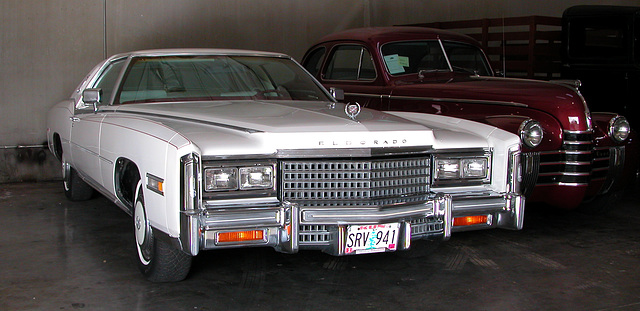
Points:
x=92 y=97
x=337 y=93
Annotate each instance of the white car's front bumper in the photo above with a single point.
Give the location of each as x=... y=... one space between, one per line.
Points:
x=288 y=227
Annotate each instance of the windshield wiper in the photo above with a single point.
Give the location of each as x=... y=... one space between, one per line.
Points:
x=423 y=72
x=467 y=70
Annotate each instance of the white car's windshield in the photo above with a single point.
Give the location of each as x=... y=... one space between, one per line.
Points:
x=191 y=78
x=411 y=57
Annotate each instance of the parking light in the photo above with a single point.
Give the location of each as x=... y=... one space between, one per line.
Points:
x=470 y=220
x=240 y=236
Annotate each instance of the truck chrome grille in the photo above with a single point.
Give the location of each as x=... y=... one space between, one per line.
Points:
x=354 y=182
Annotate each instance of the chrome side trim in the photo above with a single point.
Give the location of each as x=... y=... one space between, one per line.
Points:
x=370 y=215
x=190 y=204
x=460 y=100
x=439 y=99
x=223 y=219
x=328 y=152
x=616 y=165
x=381 y=96
x=352 y=152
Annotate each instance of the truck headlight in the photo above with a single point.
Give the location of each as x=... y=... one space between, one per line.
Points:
x=619 y=128
x=531 y=133
x=238 y=178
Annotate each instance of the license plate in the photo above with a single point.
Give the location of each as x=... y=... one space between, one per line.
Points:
x=372 y=238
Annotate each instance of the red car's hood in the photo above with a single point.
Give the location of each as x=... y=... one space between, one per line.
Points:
x=566 y=103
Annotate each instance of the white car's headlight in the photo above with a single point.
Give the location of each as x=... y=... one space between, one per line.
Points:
x=461 y=169
x=258 y=177
x=474 y=168
x=447 y=169
x=221 y=178
x=531 y=133
x=619 y=128
x=238 y=178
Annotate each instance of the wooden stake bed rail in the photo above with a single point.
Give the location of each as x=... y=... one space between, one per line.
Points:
x=526 y=47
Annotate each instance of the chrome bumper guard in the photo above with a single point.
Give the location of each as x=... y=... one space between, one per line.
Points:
x=288 y=227
x=504 y=211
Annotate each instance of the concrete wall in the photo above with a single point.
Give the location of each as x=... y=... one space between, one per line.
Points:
x=46 y=46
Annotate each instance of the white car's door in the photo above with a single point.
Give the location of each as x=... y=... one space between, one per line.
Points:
x=87 y=123
x=85 y=144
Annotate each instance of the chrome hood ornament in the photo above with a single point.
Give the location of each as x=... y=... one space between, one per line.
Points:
x=352 y=110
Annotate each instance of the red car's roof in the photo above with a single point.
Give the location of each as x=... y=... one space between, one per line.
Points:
x=391 y=34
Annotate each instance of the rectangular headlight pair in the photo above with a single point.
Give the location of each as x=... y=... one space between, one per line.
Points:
x=238 y=178
x=461 y=168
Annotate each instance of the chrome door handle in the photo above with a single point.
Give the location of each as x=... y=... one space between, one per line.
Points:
x=74 y=119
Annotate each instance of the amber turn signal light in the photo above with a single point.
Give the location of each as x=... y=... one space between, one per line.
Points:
x=470 y=220
x=240 y=236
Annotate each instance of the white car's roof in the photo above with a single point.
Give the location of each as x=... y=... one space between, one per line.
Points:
x=199 y=51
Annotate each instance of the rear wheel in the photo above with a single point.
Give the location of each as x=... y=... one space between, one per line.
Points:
x=75 y=189
x=157 y=260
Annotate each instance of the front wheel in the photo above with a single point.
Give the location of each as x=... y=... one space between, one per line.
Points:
x=75 y=189
x=157 y=260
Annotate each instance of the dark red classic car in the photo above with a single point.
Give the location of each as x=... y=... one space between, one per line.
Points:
x=570 y=155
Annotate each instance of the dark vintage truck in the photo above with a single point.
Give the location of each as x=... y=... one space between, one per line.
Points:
x=601 y=48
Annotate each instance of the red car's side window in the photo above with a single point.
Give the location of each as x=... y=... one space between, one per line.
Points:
x=313 y=62
x=350 y=63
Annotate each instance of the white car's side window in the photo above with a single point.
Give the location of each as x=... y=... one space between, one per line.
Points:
x=107 y=81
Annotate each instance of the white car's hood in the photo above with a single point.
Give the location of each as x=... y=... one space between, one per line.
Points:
x=262 y=127
x=275 y=116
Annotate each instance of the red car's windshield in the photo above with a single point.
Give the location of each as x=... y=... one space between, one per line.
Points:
x=411 y=57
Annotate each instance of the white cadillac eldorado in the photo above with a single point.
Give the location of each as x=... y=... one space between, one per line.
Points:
x=211 y=149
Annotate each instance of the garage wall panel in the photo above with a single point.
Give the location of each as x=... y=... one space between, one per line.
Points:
x=47 y=46
x=283 y=26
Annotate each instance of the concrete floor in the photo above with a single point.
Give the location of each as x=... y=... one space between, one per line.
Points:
x=61 y=255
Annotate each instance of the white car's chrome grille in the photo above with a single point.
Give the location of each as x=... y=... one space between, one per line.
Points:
x=314 y=234
x=354 y=182
x=423 y=226
x=321 y=234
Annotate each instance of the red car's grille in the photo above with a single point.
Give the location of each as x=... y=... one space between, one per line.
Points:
x=578 y=163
